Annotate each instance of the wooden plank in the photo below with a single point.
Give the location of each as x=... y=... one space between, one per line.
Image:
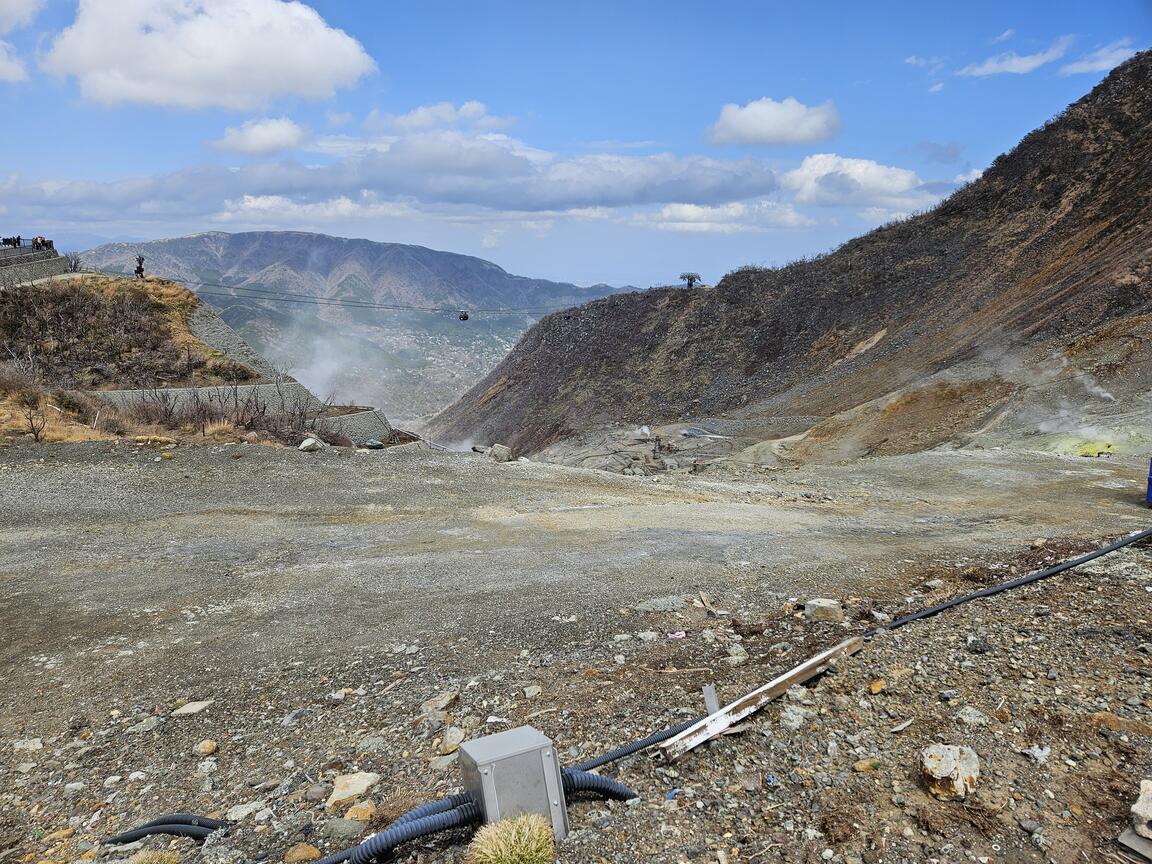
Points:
x=714 y=724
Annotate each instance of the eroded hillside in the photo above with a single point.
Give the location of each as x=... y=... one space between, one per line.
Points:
x=1048 y=250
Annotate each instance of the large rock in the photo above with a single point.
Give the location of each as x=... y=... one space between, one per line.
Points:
x=500 y=453
x=823 y=609
x=951 y=771
x=311 y=445
x=349 y=787
x=1142 y=811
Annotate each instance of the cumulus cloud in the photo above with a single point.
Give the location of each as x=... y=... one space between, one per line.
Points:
x=11 y=67
x=1017 y=64
x=264 y=136
x=236 y=54
x=766 y=121
x=831 y=180
x=732 y=218
x=1102 y=59
x=18 y=13
x=444 y=114
x=14 y=14
x=282 y=210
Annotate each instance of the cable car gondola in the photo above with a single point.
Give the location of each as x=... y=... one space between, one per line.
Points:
x=463 y=314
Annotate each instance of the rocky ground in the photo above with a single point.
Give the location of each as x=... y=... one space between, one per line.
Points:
x=231 y=629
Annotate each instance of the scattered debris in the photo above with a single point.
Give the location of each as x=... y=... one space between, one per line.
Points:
x=824 y=609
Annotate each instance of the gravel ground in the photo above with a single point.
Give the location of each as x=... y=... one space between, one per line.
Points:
x=320 y=599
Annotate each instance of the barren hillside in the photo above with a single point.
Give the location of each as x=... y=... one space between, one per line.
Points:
x=1048 y=252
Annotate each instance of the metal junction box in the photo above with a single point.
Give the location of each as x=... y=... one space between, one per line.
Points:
x=515 y=772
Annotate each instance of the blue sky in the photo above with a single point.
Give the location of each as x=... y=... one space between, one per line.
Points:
x=584 y=141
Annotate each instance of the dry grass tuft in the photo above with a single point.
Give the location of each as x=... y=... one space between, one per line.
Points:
x=526 y=839
x=395 y=804
x=155 y=857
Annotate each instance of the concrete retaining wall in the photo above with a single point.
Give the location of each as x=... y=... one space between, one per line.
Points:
x=289 y=398
x=286 y=398
x=209 y=328
x=30 y=270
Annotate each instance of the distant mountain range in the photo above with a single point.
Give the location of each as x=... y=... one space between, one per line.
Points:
x=408 y=362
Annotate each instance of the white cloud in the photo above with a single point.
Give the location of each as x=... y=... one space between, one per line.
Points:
x=14 y=14
x=1018 y=64
x=281 y=210
x=937 y=87
x=1005 y=36
x=766 y=121
x=11 y=68
x=446 y=114
x=969 y=176
x=262 y=137
x=237 y=54
x=732 y=218
x=832 y=180
x=1102 y=59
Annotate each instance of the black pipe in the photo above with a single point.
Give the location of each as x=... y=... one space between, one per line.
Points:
x=186 y=819
x=381 y=845
x=585 y=781
x=634 y=747
x=443 y=805
x=1008 y=586
x=197 y=832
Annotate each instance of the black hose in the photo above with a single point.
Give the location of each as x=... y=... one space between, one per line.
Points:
x=197 y=832
x=1008 y=586
x=381 y=845
x=450 y=802
x=186 y=819
x=634 y=747
x=585 y=781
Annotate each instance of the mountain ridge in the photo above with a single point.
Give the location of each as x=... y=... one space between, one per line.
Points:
x=1050 y=243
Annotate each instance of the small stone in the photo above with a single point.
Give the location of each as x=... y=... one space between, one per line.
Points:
x=28 y=744
x=148 y=724
x=453 y=738
x=1031 y=826
x=316 y=792
x=970 y=716
x=206 y=747
x=243 y=811
x=532 y=691
x=343 y=829
x=440 y=763
x=793 y=717
x=823 y=609
x=877 y=685
x=1142 y=811
x=949 y=695
x=737 y=655
x=109 y=782
x=648 y=636
x=950 y=770
x=861 y=766
x=372 y=744
x=74 y=788
x=302 y=852
x=349 y=787
x=934 y=584
x=440 y=702
x=137 y=777
x=362 y=811
x=25 y=767
x=192 y=708
x=673 y=603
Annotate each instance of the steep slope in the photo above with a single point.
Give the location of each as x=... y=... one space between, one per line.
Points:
x=1051 y=243
x=410 y=363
